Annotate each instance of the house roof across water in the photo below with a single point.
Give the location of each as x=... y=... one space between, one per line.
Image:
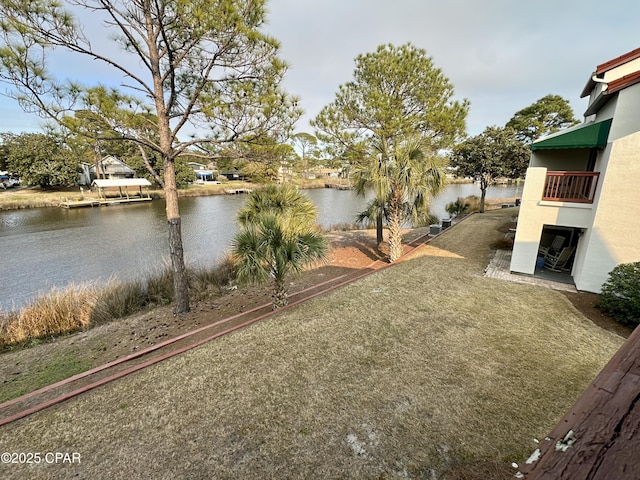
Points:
x=122 y=182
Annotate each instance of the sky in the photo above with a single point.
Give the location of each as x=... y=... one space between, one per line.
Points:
x=501 y=55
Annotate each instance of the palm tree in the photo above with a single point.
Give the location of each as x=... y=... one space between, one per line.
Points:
x=285 y=201
x=457 y=208
x=403 y=177
x=374 y=212
x=277 y=237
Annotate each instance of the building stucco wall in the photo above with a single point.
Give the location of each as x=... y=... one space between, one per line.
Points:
x=611 y=232
x=615 y=235
x=626 y=120
x=565 y=159
x=535 y=214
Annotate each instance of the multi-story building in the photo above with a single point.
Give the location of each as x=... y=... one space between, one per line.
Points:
x=582 y=191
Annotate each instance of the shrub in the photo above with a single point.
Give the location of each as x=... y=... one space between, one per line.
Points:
x=425 y=219
x=118 y=299
x=348 y=227
x=57 y=312
x=503 y=243
x=78 y=307
x=474 y=203
x=620 y=296
x=206 y=281
x=457 y=208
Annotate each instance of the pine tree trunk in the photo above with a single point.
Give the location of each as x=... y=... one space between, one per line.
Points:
x=279 y=297
x=180 y=283
x=176 y=252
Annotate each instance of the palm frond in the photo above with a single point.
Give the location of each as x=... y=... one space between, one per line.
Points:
x=277 y=236
x=284 y=201
x=406 y=172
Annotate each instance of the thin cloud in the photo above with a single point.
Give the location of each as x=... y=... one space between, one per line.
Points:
x=502 y=55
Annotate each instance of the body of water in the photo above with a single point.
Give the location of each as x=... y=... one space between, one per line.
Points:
x=53 y=247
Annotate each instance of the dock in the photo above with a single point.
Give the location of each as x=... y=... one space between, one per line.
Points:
x=101 y=202
x=238 y=191
x=112 y=192
x=338 y=186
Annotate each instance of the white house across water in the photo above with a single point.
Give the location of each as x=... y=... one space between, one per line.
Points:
x=109 y=167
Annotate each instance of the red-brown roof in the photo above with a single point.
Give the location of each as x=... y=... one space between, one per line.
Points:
x=605 y=67
x=616 y=62
x=613 y=86
x=623 y=82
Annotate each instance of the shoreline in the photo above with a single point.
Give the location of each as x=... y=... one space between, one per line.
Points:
x=212 y=190
x=31 y=197
x=23 y=198
x=350 y=249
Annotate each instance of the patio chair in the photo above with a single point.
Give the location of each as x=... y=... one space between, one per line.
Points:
x=556 y=261
x=555 y=246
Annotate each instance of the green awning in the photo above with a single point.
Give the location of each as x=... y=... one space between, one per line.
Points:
x=593 y=135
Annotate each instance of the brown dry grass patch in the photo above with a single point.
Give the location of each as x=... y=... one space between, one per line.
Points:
x=423 y=370
x=51 y=314
x=78 y=307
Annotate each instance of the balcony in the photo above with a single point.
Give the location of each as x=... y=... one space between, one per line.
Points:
x=576 y=187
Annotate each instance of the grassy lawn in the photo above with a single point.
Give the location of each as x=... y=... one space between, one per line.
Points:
x=17 y=198
x=53 y=369
x=423 y=370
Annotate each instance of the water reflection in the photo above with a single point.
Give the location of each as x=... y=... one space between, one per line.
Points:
x=53 y=247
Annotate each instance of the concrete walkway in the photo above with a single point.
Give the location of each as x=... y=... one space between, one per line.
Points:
x=499 y=267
